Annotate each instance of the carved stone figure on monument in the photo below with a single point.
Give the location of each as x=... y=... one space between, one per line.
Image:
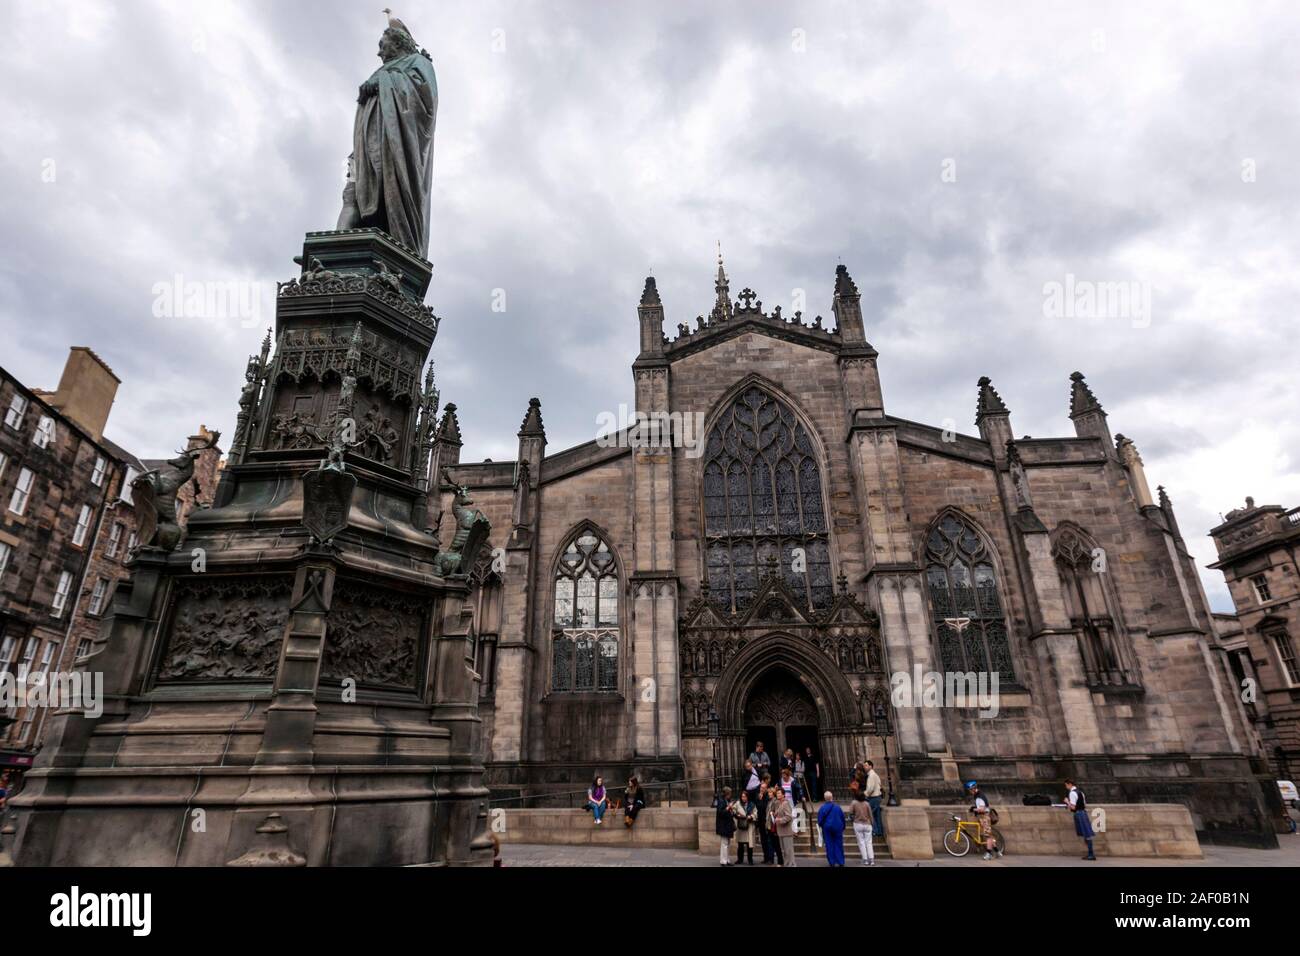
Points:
x=472 y=529
x=327 y=496
x=154 y=494
x=391 y=166
x=1019 y=480
x=389 y=277
x=247 y=402
x=296 y=431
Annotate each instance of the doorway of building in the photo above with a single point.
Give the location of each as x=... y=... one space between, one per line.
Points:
x=781 y=713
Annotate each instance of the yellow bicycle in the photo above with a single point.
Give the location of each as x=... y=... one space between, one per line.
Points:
x=959 y=840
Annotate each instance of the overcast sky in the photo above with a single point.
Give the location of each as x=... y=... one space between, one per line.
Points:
x=957 y=158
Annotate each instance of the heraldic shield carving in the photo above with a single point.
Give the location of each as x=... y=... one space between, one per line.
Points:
x=327 y=499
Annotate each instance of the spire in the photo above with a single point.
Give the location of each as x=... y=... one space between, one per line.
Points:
x=354 y=346
x=722 y=308
x=1082 y=400
x=844 y=284
x=993 y=419
x=650 y=318
x=650 y=295
x=989 y=401
x=847 y=309
x=449 y=427
x=532 y=420
x=266 y=349
x=1088 y=417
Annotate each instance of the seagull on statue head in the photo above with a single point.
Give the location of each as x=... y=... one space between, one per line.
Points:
x=396 y=23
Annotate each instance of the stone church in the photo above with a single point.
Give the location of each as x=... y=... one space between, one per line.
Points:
x=780 y=567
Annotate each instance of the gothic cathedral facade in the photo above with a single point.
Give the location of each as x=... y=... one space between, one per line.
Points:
x=782 y=567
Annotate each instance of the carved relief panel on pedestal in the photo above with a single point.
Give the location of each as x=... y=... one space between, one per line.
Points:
x=374 y=637
x=322 y=377
x=225 y=629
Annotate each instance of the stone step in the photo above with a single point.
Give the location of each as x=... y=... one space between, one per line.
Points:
x=806 y=845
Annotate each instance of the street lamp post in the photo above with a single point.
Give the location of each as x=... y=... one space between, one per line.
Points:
x=885 y=730
x=715 y=736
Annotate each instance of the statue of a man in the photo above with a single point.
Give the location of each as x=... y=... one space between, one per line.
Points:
x=390 y=172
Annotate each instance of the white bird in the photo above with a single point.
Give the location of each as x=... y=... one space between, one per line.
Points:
x=396 y=23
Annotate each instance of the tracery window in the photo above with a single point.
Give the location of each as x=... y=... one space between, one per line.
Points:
x=585 y=635
x=968 y=616
x=1106 y=658
x=762 y=500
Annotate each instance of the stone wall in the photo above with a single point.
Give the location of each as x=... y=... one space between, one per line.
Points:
x=915 y=832
x=672 y=827
x=1134 y=830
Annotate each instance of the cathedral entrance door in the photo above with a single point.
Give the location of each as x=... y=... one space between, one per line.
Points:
x=780 y=712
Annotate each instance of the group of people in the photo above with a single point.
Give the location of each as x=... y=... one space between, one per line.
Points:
x=598 y=801
x=769 y=818
x=765 y=809
x=804 y=768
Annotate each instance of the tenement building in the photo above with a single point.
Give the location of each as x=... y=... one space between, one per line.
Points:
x=67 y=529
x=766 y=544
x=1257 y=555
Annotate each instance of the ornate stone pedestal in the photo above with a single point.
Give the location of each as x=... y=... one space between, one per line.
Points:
x=292 y=684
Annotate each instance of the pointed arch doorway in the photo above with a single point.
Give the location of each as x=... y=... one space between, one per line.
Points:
x=781 y=713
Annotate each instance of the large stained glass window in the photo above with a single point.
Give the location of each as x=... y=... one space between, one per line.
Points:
x=968 y=615
x=584 y=640
x=763 y=504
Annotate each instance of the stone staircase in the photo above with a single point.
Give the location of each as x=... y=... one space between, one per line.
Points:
x=805 y=845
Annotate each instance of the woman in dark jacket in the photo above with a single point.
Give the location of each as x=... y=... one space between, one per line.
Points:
x=761 y=801
x=724 y=825
x=633 y=802
x=812 y=770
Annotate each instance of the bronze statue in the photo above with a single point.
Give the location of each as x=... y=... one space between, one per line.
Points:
x=472 y=529
x=154 y=495
x=390 y=171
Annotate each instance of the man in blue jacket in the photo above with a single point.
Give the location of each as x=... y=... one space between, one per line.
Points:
x=831 y=819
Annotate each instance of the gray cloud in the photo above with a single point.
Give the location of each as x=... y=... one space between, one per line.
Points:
x=607 y=140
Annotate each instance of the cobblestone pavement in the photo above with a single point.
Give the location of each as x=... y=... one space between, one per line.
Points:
x=534 y=855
